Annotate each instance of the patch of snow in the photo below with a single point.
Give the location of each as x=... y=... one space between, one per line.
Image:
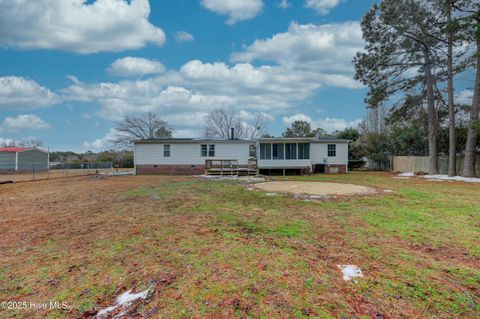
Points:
x=350 y=272
x=407 y=174
x=453 y=178
x=124 y=299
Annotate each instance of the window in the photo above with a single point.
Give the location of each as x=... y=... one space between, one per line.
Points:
x=252 y=150
x=265 y=151
x=166 y=150
x=290 y=151
x=211 y=150
x=277 y=151
x=303 y=151
x=332 y=150
x=203 y=150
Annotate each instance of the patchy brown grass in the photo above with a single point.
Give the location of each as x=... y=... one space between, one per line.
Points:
x=217 y=250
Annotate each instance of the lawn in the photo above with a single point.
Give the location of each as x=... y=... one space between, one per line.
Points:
x=216 y=249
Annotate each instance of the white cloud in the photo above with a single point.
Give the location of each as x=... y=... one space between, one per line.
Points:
x=328 y=124
x=101 y=143
x=236 y=10
x=327 y=48
x=24 y=122
x=18 y=93
x=322 y=7
x=465 y=97
x=183 y=36
x=132 y=66
x=305 y=59
x=77 y=26
x=198 y=87
x=284 y=4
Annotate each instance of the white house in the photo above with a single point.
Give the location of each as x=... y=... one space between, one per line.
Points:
x=274 y=155
x=302 y=155
x=186 y=155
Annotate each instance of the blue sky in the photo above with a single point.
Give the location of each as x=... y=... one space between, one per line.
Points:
x=70 y=69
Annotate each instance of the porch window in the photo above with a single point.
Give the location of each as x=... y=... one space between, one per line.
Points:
x=303 y=151
x=265 y=151
x=277 y=151
x=291 y=151
x=332 y=150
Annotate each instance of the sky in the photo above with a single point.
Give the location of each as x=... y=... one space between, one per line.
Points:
x=70 y=69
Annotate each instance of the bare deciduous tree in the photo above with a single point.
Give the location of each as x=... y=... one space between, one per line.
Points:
x=219 y=122
x=24 y=143
x=133 y=128
x=374 y=121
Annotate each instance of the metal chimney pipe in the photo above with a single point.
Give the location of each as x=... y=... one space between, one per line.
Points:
x=232 y=137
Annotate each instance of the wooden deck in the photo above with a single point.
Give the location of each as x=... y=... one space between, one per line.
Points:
x=229 y=167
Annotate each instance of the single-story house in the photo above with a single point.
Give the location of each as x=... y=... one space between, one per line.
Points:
x=303 y=154
x=186 y=155
x=23 y=159
x=272 y=155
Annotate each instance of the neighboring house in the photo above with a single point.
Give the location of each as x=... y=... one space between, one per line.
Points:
x=274 y=155
x=302 y=155
x=23 y=159
x=186 y=155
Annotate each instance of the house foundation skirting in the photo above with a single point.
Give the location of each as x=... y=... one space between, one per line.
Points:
x=170 y=169
x=335 y=168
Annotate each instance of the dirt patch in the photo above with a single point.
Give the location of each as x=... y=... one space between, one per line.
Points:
x=315 y=188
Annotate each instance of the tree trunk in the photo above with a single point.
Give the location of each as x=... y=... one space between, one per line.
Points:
x=432 y=118
x=452 y=149
x=473 y=127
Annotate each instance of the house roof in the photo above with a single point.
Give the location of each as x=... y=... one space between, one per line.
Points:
x=20 y=149
x=15 y=149
x=187 y=140
x=303 y=139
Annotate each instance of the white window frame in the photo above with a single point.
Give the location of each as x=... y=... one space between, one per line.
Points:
x=167 y=149
x=334 y=151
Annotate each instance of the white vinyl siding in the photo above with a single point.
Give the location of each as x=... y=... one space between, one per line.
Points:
x=301 y=154
x=319 y=153
x=189 y=153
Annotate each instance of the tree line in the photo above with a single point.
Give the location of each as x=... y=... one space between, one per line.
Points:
x=414 y=51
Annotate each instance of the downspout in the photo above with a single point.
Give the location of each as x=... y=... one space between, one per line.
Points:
x=135 y=158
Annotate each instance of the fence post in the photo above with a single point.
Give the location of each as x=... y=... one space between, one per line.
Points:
x=88 y=168
x=33 y=171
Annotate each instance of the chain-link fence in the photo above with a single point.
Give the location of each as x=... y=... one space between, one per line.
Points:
x=40 y=171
